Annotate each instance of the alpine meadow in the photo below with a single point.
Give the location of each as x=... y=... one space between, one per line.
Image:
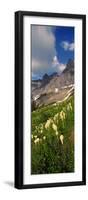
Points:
x=52 y=100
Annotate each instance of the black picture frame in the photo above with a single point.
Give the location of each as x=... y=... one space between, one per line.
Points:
x=19 y=167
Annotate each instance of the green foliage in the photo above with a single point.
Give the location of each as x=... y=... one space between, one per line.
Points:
x=48 y=153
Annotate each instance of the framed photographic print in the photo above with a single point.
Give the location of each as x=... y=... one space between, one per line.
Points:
x=50 y=99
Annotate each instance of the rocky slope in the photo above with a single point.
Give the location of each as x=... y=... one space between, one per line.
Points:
x=53 y=88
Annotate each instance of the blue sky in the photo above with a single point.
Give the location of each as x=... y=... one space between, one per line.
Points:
x=52 y=47
x=64 y=34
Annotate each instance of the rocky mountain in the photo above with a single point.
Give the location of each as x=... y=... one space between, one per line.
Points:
x=54 y=87
x=69 y=67
x=36 y=84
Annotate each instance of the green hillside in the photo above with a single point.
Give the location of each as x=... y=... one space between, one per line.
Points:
x=52 y=149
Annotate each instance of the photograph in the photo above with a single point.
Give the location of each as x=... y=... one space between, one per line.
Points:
x=52 y=99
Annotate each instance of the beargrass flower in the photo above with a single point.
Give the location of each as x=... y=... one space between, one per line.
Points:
x=56 y=133
x=49 y=121
x=62 y=139
x=32 y=136
x=54 y=127
x=44 y=137
x=35 y=136
x=36 y=140
x=69 y=106
x=56 y=116
x=62 y=115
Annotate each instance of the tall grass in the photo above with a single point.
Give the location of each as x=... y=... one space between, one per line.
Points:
x=52 y=143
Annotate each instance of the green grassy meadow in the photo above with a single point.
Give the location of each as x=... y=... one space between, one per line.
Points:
x=52 y=139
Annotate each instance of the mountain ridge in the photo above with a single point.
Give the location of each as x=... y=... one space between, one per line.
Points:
x=53 y=87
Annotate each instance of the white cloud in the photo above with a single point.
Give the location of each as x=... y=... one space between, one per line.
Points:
x=67 y=46
x=59 y=67
x=55 y=61
x=43 y=49
x=71 y=47
x=44 y=59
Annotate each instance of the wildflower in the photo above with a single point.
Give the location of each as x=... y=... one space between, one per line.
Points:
x=41 y=131
x=62 y=139
x=54 y=127
x=49 y=121
x=36 y=140
x=35 y=136
x=56 y=116
x=56 y=133
x=69 y=106
x=44 y=137
x=32 y=136
x=62 y=115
